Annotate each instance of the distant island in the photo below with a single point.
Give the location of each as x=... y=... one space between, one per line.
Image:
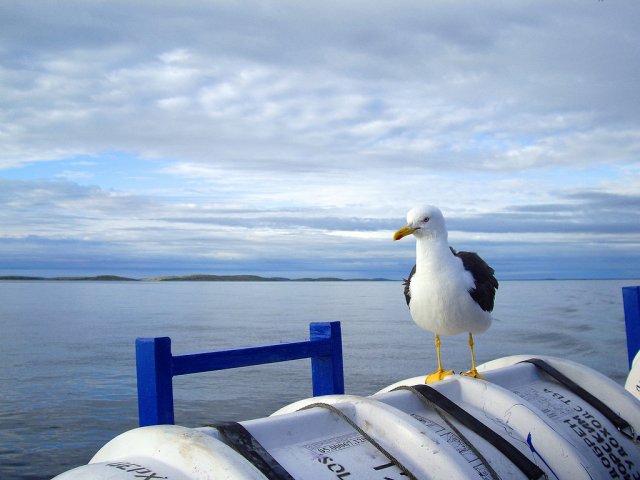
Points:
x=99 y=278
x=192 y=278
x=215 y=278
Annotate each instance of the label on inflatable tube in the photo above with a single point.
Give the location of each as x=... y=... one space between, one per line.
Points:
x=611 y=452
x=460 y=446
x=343 y=456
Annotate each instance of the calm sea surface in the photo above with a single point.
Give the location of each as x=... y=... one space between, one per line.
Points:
x=67 y=376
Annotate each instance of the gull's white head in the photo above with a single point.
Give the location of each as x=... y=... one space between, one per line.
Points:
x=423 y=222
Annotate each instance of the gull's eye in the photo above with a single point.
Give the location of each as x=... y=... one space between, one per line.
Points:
x=425 y=219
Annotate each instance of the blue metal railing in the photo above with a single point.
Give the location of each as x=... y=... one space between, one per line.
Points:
x=631 y=300
x=156 y=366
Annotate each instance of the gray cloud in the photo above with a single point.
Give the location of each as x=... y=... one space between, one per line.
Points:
x=581 y=212
x=295 y=136
x=63 y=227
x=318 y=87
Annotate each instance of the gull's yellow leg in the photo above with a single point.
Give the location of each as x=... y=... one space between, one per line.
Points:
x=473 y=372
x=440 y=373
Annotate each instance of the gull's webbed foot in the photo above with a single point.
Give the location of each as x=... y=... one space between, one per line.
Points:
x=438 y=375
x=473 y=373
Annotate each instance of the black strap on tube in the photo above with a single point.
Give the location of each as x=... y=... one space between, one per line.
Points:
x=372 y=441
x=620 y=423
x=526 y=466
x=241 y=440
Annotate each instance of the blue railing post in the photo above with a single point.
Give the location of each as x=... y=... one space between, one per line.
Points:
x=327 y=370
x=156 y=367
x=155 y=381
x=631 y=300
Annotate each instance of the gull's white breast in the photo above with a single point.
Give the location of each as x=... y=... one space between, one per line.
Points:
x=440 y=298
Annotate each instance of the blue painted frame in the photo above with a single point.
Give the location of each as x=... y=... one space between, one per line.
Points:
x=156 y=367
x=631 y=300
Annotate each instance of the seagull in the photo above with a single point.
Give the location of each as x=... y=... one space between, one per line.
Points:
x=447 y=292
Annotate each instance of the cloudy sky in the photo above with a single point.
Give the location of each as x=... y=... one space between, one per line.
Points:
x=290 y=138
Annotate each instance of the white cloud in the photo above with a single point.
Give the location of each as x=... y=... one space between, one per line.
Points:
x=340 y=110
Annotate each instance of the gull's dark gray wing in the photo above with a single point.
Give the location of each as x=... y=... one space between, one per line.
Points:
x=406 y=283
x=484 y=292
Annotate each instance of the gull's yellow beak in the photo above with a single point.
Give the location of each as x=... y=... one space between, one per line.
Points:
x=403 y=232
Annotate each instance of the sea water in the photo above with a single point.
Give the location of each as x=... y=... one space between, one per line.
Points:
x=68 y=381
